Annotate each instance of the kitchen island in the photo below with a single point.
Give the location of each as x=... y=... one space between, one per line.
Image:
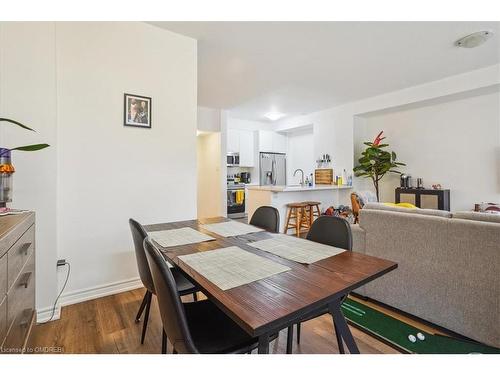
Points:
x=280 y=196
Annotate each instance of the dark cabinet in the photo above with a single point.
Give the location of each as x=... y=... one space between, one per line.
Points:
x=437 y=199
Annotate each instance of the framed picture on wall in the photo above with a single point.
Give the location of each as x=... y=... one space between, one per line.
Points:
x=137 y=111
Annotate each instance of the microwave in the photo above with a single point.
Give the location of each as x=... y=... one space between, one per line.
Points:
x=233 y=159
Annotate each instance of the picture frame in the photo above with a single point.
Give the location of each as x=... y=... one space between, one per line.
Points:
x=137 y=111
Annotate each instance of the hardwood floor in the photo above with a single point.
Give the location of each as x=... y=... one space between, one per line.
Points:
x=107 y=325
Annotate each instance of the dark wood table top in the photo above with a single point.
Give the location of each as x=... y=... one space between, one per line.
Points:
x=271 y=303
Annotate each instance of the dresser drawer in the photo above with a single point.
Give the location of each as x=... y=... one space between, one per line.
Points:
x=3 y=319
x=18 y=330
x=21 y=304
x=18 y=255
x=3 y=277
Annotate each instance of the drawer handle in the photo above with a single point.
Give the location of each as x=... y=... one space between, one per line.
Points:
x=25 y=279
x=26 y=318
x=24 y=248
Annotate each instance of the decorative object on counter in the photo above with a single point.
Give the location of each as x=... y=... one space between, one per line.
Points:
x=375 y=162
x=487 y=207
x=245 y=177
x=6 y=167
x=436 y=186
x=437 y=199
x=405 y=181
x=137 y=111
x=323 y=176
x=324 y=161
x=420 y=183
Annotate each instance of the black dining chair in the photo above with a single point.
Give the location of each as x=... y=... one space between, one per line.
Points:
x=184 y=286
x=267 y=218
x=193 y=327
x=333 y=231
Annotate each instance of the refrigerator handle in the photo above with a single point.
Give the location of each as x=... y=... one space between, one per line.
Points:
x=273 y=171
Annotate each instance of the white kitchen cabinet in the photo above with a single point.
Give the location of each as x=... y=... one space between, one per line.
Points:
x=279 y=142
x=246 y=142
x=270 y=141
x=233 y=140
x=265 y=141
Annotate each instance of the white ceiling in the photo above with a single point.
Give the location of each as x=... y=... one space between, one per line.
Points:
x=251 y=68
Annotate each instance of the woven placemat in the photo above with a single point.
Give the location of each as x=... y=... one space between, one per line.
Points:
x=231 y=228
x=178 y=237
x=230 y=267
x=296 y=249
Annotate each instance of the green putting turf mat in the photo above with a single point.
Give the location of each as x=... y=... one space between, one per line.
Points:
x=397 y=333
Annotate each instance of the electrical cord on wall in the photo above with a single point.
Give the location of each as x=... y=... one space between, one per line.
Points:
x=59 y=295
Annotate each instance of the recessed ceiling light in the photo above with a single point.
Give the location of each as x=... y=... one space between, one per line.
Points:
x=474 y=39
x=273 y=116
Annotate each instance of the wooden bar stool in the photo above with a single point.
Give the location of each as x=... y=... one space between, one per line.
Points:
x=296 y=217
x=312 y=211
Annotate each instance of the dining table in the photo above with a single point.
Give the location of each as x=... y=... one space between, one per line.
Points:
x=264 y=307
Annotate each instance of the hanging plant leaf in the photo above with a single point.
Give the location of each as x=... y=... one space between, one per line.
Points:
x=35 y=147
x=15 y=123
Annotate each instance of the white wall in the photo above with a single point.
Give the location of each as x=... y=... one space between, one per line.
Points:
x=453 y=143
x=208 y=119
x=209 y=198
x=108 y=172
x=69 y=79
x=28 y=94
x=300 y=154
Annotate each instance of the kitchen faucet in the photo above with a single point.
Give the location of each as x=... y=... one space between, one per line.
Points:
x=302 y=178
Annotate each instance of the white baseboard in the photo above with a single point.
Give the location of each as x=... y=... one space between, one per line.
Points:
x=88 y=294
x=43 y=315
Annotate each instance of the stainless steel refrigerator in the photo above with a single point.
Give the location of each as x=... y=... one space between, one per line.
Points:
x=272 y=168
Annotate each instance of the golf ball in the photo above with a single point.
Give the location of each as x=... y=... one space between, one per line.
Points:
x=412 y=338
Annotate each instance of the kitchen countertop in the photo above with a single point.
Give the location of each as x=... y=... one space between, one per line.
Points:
x=292 y=188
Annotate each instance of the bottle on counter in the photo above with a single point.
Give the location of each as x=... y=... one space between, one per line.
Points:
x=344 y=177
x=349 y=179
x=311 y=180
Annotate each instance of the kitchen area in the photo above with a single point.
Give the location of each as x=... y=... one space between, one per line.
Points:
x=275 y=168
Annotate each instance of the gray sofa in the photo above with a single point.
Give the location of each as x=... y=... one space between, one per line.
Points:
x=448 y=266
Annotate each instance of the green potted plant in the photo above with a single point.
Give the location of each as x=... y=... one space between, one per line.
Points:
x=375 y=162
x=6 y=167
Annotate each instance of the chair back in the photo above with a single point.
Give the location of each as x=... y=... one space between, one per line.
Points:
x=267 y=218
x=139 y=234
x=331 y=230
x=172 y=311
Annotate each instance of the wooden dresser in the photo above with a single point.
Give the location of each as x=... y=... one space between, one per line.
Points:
x=17 y=280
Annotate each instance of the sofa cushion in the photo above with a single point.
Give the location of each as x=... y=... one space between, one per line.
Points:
x=477 y=216
x=473 y=305
x=419 y=211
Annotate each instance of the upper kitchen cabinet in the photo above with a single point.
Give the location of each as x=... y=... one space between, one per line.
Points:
x=270 y=141
x=242 y=142
x=233 y=140
x=246 y=139
x=265 y=141
x=279 y=143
